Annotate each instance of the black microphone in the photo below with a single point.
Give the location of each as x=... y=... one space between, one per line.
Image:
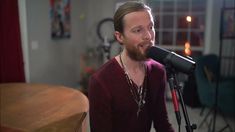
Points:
x=178 y=62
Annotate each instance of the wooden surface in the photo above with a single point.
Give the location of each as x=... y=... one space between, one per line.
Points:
x=41 y=107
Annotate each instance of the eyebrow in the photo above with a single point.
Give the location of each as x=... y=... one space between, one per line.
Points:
x=140 y=26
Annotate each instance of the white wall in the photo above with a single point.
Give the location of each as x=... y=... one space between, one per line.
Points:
x=50 y=61
x=57 y=61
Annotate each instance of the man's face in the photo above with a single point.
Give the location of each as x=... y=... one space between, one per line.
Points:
x=138 y=34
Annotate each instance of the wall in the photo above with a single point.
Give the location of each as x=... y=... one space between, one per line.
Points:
x=212 y=39
x=52 y=61
x=57 y=61
x=212 y=26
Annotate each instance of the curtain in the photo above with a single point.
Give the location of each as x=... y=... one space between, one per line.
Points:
x=11 y=58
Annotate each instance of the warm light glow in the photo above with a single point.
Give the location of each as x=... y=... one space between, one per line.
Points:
x=189 y=19
x=187 y=49
x=187 y=52
x=187 y=45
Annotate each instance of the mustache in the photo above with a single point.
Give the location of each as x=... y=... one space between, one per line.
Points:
x=146 y=45
x=147 y=42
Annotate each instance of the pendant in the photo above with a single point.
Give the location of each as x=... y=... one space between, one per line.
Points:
x=139 y=108
x=138 y=111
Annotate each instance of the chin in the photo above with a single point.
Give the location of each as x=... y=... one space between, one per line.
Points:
x=142 y=58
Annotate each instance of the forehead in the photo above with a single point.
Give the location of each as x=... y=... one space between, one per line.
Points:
x=138 y=18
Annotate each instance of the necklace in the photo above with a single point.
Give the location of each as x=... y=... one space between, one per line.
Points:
x=138 y=93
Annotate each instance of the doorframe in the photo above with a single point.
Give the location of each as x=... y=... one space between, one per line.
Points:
x=24 y=37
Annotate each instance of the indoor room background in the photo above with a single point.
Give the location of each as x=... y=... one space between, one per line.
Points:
x=61 y=61
x=29 y=53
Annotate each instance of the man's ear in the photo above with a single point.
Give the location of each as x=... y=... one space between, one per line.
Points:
x=119 y=37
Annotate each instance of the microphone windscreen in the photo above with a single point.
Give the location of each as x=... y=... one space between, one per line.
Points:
x=157 y=53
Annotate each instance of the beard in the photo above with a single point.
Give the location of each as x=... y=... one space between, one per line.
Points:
x=135 y=53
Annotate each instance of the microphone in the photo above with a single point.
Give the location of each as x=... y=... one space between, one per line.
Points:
x=178 y=62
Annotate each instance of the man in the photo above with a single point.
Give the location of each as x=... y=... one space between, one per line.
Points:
x=127 y=93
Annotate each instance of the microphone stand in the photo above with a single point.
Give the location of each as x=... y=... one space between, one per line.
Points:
x=174 y=86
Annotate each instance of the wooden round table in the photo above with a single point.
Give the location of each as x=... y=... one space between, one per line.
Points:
x=41 y=107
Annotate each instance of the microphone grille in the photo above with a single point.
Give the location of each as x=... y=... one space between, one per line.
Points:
x=157 y=53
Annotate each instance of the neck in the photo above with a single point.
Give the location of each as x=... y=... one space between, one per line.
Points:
x=130 y=64
x=135 y=69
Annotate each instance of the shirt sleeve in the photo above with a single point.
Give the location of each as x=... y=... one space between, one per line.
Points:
x=100 y=106
x=161 y=121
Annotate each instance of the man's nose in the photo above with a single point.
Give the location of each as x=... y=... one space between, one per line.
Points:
x=147 y=35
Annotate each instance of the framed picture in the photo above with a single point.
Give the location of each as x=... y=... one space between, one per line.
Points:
x=228 y=23
x=60 y=18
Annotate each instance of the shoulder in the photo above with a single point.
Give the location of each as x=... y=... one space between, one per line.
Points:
x=107 y=72
x=101 y=80
x=154 y=66
x=108 y=68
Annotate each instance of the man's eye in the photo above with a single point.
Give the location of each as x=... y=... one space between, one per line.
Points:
x=137 y=30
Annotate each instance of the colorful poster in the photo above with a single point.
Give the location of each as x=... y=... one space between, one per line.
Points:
x=60 y=18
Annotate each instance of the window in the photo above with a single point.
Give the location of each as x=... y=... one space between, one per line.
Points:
x=178 y=22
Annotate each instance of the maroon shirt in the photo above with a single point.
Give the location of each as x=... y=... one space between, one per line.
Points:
x=112 y=107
